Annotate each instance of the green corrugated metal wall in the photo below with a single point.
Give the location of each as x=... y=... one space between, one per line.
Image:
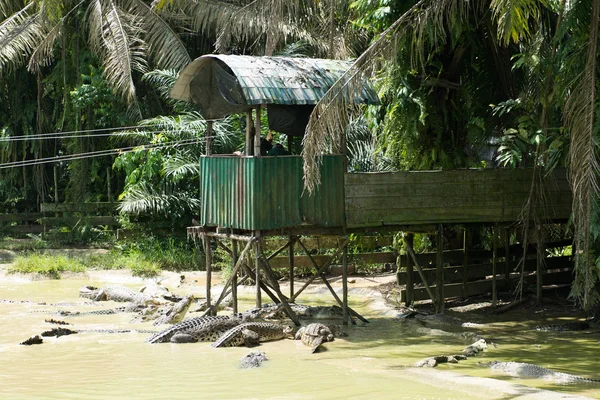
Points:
x=261 y=193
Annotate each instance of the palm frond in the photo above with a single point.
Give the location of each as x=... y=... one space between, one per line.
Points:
x=580 y=116
x=143 y=199
x=181 y=165
x=422 y=25
x=164 y=44
x=513 y=17
x=162 y=80
x=278 y=19
x=42 y=54
x=116 y=35
x=19 y=35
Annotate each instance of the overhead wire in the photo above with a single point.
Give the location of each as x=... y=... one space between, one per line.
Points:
x=58 y=135
x=99 y=153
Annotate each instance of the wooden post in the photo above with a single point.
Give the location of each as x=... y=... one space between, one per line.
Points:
x=290 y=143
x=249 y=130
x=494 y=265
x=257 y=277
x=345 y=284
x=539 y=261
x=507 y=259
x=465 y=277
x=411 y=251
x=257 y=133
x=439 y=281
x=209 y=134
x=108 y=188
x=410 y=285
x=291 y=262
x=234 y=283
x=208 y=258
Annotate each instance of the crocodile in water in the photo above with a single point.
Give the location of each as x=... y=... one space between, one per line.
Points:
x=199 y=329
x=532 y=371
x=253 y=359
x=251 y=333
x=313 y=335
x=569 y=326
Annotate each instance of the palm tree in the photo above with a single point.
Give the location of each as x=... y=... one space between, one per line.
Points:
x=565 y=30
x=126 y=35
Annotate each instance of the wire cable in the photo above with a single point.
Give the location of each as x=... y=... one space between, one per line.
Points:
x=99 y=153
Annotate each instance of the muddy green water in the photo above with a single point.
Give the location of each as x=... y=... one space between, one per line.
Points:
x=370 y=363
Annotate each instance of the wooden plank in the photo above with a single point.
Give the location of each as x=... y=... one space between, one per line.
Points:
x=24 y=228
x=304 y=261
x=332 y=242
x=479 y=271
x=20 y=217
x=483 y=287
x=78 y=207
x=72 y=221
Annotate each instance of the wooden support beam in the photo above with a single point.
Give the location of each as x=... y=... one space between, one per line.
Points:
x=257 y=133
x=209 y=137
x=208 y=265
x=275 y=286
x=440 y=270
x=348 y=318
x=211 y=310
x=411 y=251
x=265 y=288
x=291 y=261
x=466 y=243
x=280 y=249
x=345 y=285
x=507 y=260
x=249 y=133
x=234 y=282
x=257 y=275
x=321 y=272
x=494 y=264
x=320 y=269
x=539 y=261
x=410 y=285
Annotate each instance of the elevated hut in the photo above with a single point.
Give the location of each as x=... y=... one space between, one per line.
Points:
x=249 y=197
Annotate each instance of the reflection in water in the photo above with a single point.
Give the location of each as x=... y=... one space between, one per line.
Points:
x=369 y=363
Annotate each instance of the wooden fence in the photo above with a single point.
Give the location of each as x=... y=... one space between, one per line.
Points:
x=476 y=278
x=59 y=215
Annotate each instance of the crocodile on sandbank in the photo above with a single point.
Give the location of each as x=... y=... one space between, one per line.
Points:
x=532 y=371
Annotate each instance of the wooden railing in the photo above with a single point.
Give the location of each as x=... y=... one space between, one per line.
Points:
x=58 y=215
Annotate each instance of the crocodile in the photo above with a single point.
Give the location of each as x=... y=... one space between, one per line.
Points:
x=532 y=371
x=275 y=311
x=251 y=333
x=569 y=326
x=201 y=329
x=253 y=359
x=116 y=293
x=120 y=293
x=313 y=335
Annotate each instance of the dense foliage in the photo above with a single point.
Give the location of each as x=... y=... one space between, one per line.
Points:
x=463 y=83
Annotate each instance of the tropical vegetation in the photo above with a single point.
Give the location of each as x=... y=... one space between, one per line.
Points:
x=462 y=83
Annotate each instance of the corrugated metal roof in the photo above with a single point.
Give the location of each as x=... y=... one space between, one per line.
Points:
x=261 y=80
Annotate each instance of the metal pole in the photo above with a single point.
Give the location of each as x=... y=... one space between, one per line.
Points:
x=249 y=129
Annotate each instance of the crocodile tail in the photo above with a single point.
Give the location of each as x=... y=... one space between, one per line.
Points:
x=228 y=336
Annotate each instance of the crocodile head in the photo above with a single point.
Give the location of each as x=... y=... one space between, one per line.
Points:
x=89 y=292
